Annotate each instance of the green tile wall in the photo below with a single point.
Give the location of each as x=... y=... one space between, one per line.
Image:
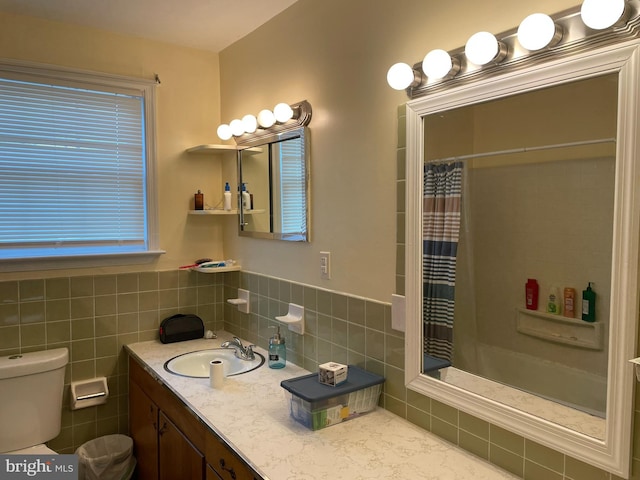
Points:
x=94 y=316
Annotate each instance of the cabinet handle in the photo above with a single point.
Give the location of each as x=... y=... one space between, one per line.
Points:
x=163 y=428
x=223 y=466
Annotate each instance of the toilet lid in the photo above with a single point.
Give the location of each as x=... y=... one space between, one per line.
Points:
x=41 y=449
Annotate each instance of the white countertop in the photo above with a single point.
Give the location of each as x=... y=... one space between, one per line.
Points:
x=251 y=412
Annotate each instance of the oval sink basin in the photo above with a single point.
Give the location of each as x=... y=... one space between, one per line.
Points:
x=196 y=364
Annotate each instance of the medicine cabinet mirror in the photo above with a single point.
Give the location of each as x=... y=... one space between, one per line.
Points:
x=274 y=171
x=549 y=190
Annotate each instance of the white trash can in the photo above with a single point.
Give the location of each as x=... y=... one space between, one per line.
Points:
x=106 y=458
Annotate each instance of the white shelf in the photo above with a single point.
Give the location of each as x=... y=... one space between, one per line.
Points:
x=212 y=148
x=232 y=268
x=215 y=149
x=559 y=329
x=216 y=211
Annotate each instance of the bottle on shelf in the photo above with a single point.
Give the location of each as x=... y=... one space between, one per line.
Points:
x=569 y=302
x=227 y=196
x=246 y=199
x=589 y=304
x=198 y=201
x=553 y=304
x=531 y=291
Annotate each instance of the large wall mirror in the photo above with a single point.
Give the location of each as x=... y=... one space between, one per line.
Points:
x=274 y=170
x=529 y=174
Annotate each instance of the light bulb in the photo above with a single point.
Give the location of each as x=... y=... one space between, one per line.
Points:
x=266 y=118
x=437 y=64
x=400 y=76
x=249 y=123
x=481 y=48
x=236 y=127
x=283 y=112
x=224 y=132
x=536 y=31
x=601 y=14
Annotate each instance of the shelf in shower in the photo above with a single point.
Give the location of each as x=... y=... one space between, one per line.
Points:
x=559 y=329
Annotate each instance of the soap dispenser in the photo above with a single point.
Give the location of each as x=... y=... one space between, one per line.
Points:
x=277 y=350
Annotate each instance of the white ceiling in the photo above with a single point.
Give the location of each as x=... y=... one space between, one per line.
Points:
x=205 y=24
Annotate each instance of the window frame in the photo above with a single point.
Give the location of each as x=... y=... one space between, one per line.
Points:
x=53 y=74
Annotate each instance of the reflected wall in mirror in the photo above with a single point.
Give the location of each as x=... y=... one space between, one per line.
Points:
x=536 y=201
x=275 y=173
x=528 y=175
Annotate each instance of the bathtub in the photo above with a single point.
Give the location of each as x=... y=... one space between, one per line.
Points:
x=569 y=386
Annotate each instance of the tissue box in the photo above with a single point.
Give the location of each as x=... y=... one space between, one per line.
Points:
x=318 y=406
x=332 y=373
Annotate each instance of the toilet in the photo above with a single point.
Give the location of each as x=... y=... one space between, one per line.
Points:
x=31 y=387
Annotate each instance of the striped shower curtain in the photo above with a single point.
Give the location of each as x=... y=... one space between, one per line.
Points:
x=440 y=233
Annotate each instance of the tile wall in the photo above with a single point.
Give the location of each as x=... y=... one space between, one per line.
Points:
x=94 y=316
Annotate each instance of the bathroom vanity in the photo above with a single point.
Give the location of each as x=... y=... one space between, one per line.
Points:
x=183 y=428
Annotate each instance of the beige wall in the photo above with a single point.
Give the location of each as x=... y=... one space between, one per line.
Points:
x=336 y=54
x=187 y=112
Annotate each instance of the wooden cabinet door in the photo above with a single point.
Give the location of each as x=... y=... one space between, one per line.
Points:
x=143 y=426
x=211 y=474
x=178 y=458
x=224 y=462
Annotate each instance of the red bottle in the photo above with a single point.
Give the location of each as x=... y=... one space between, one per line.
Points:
x=531 y=290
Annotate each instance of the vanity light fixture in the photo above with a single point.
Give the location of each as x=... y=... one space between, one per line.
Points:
x=601 y=14
x=224 y=132
x=538 y=37
x=438 y=64
x=483 y=48
x=236 y=127
x=538 y=31
x=282 y=118
x=401 y=76
x=250 y=123
x=283 y=112
x=266 y=118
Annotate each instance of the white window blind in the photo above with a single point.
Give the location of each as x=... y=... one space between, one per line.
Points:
x=292 y=187
x=72 y=171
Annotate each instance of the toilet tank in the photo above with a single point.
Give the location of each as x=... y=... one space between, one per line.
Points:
x=31 y=386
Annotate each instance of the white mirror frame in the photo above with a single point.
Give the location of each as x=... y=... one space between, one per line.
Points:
x=613 y=453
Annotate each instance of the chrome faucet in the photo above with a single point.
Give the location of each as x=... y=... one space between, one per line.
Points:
x=242 y=352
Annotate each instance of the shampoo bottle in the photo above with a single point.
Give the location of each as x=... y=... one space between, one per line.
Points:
x=589 y=304
x=531 y=291
x=246 y=199
x=227 y=196
x=553 y=305
x=277 y=351
x=569 y=302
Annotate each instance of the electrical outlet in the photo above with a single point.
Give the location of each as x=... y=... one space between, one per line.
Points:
x=325 y=265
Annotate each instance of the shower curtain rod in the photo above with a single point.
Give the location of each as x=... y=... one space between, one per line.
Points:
x=523 y=150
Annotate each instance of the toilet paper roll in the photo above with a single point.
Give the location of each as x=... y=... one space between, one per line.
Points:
x=216 y=373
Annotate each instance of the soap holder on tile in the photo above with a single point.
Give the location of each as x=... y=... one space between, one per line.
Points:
x=636 y=365
x=294 y=318
x=88 y=393
x=242 y=302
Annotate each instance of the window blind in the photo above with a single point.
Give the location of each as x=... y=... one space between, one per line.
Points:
x=292 y=186
x=72 y=171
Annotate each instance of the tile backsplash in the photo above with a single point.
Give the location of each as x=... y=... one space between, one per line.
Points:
x=94 y=316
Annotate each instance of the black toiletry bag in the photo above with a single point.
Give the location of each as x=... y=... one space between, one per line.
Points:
x=181 y=327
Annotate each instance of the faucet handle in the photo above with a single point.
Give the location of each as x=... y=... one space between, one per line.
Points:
x=249 y=352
